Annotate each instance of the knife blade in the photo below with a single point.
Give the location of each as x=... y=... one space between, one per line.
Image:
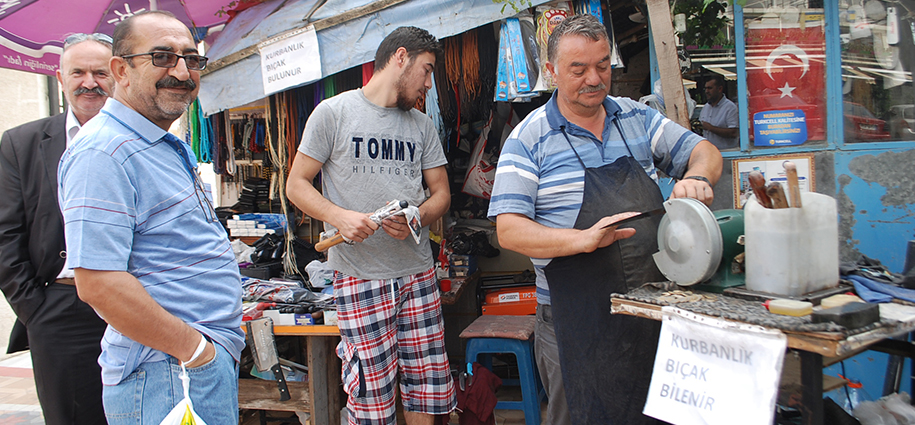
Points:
x=263 y=349
x=638 y=216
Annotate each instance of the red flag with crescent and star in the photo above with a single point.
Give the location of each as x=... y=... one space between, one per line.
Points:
x=786 y=71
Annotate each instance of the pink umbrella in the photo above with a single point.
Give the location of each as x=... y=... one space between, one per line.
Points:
x=32 y=32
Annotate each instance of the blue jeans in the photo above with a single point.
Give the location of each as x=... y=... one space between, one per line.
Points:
x=151 y=391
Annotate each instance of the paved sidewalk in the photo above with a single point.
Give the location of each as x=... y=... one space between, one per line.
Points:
x=18 y=401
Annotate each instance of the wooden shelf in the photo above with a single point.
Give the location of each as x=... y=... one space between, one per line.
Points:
x=260 y=394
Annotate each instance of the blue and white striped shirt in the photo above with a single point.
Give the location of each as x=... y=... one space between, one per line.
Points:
x=130 y=203
x=539 y=176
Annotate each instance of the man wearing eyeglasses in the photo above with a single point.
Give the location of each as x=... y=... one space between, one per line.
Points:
x=145 y=245
x=63 y=332
x=719 y=115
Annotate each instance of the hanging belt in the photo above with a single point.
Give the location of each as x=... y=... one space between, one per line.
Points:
x=66 y=281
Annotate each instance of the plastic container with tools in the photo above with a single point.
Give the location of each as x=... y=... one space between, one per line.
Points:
x=792 y=251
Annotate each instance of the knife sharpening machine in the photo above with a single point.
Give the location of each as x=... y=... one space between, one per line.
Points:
x=700 y=247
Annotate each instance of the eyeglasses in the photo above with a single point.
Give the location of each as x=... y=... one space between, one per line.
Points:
x=170 y=60
x=81 y=37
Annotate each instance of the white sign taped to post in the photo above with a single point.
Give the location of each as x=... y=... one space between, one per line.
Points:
x=712 y=371
x=291 y=60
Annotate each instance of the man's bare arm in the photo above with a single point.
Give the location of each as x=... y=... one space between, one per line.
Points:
x=431 y=209
x=519 y=233
x=123 y=302
x=705 y=160
x=299 y=189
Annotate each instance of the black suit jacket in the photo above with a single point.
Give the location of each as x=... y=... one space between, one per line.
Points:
x=32 y=248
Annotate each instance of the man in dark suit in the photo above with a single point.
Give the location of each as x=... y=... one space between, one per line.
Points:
x=64 y=333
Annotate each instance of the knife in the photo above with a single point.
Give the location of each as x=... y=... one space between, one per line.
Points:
x=263 y=349
x=638 y=216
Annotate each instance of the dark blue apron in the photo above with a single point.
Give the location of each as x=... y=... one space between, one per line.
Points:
x=606 y=359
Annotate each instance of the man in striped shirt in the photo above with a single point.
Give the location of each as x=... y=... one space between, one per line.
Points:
x=143 y=239
x=540 y=191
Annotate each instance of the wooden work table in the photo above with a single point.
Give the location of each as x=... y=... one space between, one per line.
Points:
x=320 y=396
x=815 y=348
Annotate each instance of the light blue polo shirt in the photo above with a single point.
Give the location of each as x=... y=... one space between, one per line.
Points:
x=539 y=176
x=130 y=203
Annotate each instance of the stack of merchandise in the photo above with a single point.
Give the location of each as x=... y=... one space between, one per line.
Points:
x=255 y=224
x=255 y=197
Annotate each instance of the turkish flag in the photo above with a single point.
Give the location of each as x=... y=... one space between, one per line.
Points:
x=786 y=70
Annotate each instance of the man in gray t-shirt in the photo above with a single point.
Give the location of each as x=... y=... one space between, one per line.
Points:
x=371 y=146
x=719 y=116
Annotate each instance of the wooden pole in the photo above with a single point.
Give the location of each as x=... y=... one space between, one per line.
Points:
x=662 y=32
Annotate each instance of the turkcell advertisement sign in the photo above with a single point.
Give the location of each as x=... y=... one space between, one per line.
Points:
x=779 y=128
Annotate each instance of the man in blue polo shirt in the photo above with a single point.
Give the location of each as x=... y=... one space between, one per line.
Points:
x=147 y=250
x=566 y=173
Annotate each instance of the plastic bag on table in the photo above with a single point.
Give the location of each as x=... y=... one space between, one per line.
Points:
x=319 y=274
x=183 y=413
x=280 y=292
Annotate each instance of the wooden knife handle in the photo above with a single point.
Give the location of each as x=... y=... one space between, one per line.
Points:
x=758 y=184
x=777 y=195
x=327 y=243
x=794 y=188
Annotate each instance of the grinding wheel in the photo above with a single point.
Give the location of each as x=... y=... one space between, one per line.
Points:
x=689 y=242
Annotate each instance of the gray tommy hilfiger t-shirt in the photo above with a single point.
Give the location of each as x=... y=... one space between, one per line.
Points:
x=373 y=155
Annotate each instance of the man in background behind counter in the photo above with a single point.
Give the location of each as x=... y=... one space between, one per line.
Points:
x=719 y=115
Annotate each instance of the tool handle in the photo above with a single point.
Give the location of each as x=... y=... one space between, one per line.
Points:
x=281 y=382
x=777 y=195
x=758 y=184
x=329 y=242
x=794 y=188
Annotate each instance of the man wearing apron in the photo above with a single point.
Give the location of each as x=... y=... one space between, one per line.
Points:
x=574 y=165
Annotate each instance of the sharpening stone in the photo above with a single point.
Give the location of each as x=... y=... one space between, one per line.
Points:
x=851 y=315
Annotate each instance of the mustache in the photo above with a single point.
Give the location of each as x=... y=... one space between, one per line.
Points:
x=592 y=89
x=170 y=82
x=94 y=90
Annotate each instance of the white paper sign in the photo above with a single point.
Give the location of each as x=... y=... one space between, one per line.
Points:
x=711 y=371
x=291 y=61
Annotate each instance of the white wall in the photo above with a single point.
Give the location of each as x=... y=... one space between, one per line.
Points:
x=25 y=98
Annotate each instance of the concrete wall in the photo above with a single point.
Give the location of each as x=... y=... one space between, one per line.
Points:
x=25 y=98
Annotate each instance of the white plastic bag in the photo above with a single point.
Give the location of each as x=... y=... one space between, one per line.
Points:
x=319 y=274
x=898 y=405
x=481 y=170
x=183 y=413
x=872 y=413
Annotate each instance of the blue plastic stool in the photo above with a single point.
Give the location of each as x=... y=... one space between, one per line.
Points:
x=489 y=335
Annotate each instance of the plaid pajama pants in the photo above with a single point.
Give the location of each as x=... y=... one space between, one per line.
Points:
x=383 y=337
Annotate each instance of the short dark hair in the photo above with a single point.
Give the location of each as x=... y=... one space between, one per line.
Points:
x=585 y=25
x=719 y=80
x=123 y=32
x=415 y=40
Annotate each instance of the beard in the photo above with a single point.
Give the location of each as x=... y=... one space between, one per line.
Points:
x=171 y=106
x=404 y=102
